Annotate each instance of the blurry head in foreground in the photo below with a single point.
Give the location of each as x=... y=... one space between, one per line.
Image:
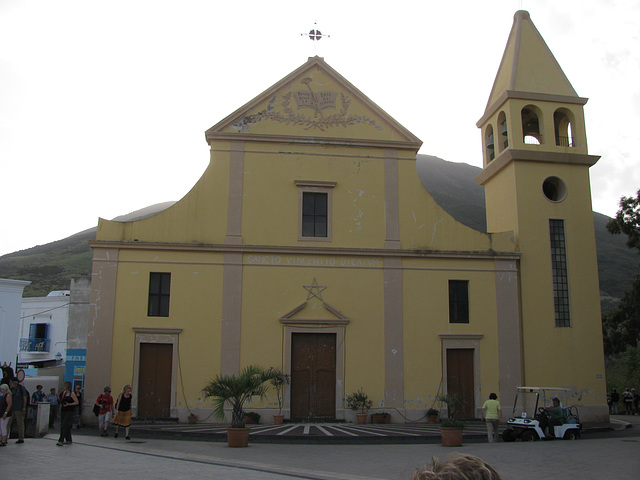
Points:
x=464 y=467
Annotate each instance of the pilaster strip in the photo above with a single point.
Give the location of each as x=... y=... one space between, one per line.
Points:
x=393 y=334
x=510 y=354
x=231 y=314
x=102 y=302
x=391 y=199
x=234 y=208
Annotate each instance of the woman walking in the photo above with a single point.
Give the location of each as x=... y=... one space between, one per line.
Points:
x=123 y=407
x=492 y=415
x=77 y=414
x=6 y=400
x=68 y=402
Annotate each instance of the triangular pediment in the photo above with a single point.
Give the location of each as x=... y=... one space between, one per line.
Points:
x=528 y=66
x=314 y=312
x=314 y=103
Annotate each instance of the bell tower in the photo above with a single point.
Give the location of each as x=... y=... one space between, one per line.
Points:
x=536 y=180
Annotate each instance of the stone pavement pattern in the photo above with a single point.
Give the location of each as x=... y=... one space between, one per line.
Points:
x=615 y=457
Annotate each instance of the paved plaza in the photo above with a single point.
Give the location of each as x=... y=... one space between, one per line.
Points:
x=604 y=455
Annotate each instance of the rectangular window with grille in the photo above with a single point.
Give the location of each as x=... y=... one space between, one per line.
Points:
x=559 y=273
x=314 y=210
x=159 y=294
x=458 y=301
x=314 y=214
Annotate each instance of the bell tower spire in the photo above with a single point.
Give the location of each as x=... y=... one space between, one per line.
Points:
x=533 y=115
x=536 y=179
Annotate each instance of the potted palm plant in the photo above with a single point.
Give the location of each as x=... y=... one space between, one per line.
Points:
x=359 y=400
x=278 y=381
x=450 y=428
x=236 y=390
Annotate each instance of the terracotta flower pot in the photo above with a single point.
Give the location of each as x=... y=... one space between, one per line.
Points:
x=238 y=437
x=278 y=418
x=192 y=419
x=432 y=418
x=362 y=418
x=380 y=418
x=451 y=436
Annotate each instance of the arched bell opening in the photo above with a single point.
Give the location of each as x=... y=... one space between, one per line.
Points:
x=563 y=127
x=531 y=125
x=502 y=139
x=489 y=143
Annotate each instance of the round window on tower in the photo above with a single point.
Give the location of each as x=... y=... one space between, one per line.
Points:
x=554 y=189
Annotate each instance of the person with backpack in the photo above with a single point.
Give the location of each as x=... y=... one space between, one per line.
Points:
x=105 y=402
x=20 y=398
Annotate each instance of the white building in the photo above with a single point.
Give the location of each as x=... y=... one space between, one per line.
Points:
x=10 y=300
x=43 y=329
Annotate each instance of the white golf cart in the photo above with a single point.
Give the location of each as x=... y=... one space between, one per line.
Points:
x=527 y=426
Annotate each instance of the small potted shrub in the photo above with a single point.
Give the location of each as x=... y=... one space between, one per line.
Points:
x=359 y=400
x=381 y=417
x=450 y=428
x=432 y=415
x=278 y=381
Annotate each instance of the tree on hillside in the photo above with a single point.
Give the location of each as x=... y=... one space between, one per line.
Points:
x=627 y=221
x=621 y=327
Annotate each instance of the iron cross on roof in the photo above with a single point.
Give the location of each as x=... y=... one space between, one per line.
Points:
x=314 y=34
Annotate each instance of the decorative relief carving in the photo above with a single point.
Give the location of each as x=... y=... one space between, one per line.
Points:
x=307 y=99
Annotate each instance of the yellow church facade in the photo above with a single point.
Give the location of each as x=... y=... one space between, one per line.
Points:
x=310 y=244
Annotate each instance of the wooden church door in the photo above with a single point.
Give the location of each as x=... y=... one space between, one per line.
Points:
x=313 y=376
x=154 y=389
x=460 y=380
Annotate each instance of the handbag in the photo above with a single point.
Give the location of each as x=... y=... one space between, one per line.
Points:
x=96 y=410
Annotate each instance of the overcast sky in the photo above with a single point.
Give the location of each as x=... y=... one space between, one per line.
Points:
x=104 y=104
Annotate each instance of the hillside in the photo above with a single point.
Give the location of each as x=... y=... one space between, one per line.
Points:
x=453 y=187
x=51 y=266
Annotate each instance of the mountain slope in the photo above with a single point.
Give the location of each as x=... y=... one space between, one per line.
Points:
x=452 y=186
x=53 y=265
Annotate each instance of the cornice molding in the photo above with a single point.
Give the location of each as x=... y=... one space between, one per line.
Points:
x=157 y=330
x=461 y=336
x=339 y=318
x=534 y=97
x=511 y=155
x=309 y=140
x=315 y=183
x=302 y=250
